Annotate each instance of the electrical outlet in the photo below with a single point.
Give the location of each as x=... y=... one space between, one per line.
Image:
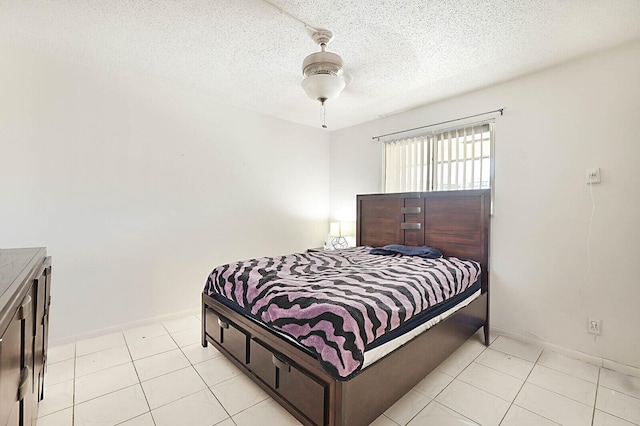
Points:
x=593 y=175
x=594 y=326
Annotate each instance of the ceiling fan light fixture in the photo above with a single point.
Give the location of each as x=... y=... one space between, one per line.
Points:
x=322 y=70
x=321 y=87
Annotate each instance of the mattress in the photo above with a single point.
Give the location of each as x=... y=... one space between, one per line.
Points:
x=378 y=352
x=342 y=306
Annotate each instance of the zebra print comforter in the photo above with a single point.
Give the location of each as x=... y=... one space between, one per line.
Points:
x=337 y=303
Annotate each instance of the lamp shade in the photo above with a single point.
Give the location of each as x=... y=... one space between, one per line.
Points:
x=334 y=229
x=323 y=86
x=342 y=229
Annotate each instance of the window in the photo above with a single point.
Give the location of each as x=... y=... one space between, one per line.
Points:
x=460 y=158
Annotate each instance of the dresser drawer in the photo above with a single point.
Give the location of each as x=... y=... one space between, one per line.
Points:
x=304 y=392
x=301 y=390
x=261 y=363
x=10 y=369
x=227 y=335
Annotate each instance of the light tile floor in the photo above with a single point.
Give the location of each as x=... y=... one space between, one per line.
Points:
x=160 y=375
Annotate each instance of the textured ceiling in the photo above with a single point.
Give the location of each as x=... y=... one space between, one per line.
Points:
x=399 y=53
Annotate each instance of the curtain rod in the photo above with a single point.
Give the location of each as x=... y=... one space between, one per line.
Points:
x=501 y=111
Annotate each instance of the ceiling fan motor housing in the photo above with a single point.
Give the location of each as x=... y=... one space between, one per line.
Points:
x=322 y=63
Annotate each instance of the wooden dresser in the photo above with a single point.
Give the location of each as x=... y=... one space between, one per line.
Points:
x=25 y=284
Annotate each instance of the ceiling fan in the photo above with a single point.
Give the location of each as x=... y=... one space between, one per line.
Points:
x=324 y=78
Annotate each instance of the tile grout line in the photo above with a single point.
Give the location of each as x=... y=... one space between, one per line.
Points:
x=569 y=374
x=209 y=387
x=614 y=390
x=415 y=415
x=396 y=423
x=559 y=394
x=126 y=387
x=562 y=395
x=620 y=418
x=549 y=390
x=558 y=371
x=202 y=378
x=73 y=399
x=109 y=393
x=145 y=394
x=517 y=356
x=522 y=386
x=454 y=378
x=126 y=345
x=503 y=372
x=618 y=390
x=103 y=369
x=222 y=421
x=227 y=380
x=139 y=382
x=593 y=413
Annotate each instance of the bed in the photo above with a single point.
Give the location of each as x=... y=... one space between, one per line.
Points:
x=299 y=377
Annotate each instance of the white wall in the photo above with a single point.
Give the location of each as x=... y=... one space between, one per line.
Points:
x=557 y=123
x=139 y=190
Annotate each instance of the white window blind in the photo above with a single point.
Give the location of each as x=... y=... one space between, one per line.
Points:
x=460 y=158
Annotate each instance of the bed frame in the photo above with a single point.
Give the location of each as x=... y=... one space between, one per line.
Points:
x=456 y=222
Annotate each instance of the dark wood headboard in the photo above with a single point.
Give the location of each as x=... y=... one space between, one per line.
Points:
x=455 y=222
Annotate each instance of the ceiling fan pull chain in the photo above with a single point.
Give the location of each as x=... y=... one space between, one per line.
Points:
x=324 y=116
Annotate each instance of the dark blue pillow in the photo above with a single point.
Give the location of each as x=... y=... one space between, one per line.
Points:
x=424 y=252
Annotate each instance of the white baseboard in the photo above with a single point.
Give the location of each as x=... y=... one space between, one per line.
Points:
x=124 y=326
x=591 y=359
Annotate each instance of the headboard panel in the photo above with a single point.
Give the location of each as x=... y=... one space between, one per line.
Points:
x=456 y=222
x=379 y=218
